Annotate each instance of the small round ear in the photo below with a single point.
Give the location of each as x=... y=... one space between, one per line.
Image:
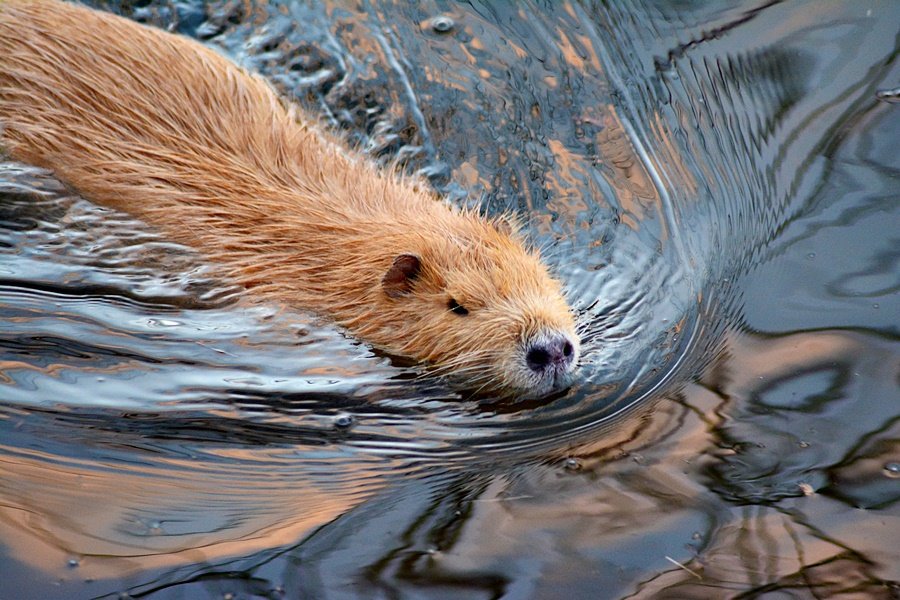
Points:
x=398 y=280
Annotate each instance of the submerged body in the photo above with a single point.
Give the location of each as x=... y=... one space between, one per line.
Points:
x=159 y=126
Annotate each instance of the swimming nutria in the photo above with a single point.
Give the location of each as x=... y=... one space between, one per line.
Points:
x=164 y=128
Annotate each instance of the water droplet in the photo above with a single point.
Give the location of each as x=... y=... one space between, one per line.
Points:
x=876 y=306
x=573 y=464
x=891 y=96
x=892 y=470
x=811 y=255
x=73 y=563
x=162 y=323
x=343 y=421
x=442 y=24
x=803 y=444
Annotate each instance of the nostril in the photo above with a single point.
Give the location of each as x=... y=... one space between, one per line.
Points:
x=537 y=358
x=558 y=353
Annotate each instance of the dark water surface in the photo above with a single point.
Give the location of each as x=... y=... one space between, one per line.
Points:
x=718 y=184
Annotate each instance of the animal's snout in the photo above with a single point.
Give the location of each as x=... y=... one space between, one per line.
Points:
x=556 y=352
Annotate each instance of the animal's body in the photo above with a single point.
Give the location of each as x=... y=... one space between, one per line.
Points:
x=168 y=130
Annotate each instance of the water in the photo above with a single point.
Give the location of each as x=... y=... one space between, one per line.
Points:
x=716 y=184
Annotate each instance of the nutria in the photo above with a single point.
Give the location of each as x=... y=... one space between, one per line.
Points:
x=162 y=127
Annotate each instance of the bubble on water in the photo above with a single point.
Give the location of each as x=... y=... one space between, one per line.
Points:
x=343 y=421
x=154 y=322
x=892 y=470
x=573 y=464
x=73 y=563
x=891 y=96
x=442 y=24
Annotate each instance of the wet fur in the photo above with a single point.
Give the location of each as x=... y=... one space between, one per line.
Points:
x=164 y=128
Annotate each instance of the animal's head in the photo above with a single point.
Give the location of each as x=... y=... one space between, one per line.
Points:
x=481 y=308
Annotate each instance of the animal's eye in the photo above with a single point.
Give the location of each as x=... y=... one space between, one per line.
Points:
x=456 y=308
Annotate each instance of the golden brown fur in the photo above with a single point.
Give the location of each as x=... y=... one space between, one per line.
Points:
x=170 y=131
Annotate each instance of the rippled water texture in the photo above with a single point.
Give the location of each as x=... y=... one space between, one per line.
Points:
x=717 y=183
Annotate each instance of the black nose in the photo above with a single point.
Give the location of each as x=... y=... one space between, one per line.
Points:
x=555 y=352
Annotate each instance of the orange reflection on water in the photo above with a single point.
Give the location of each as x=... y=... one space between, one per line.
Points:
x=130 y=518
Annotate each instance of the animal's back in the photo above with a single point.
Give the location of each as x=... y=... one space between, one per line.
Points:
x=160 y=126
x=117 y=111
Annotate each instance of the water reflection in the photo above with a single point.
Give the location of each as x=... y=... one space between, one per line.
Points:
x=715 y=184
